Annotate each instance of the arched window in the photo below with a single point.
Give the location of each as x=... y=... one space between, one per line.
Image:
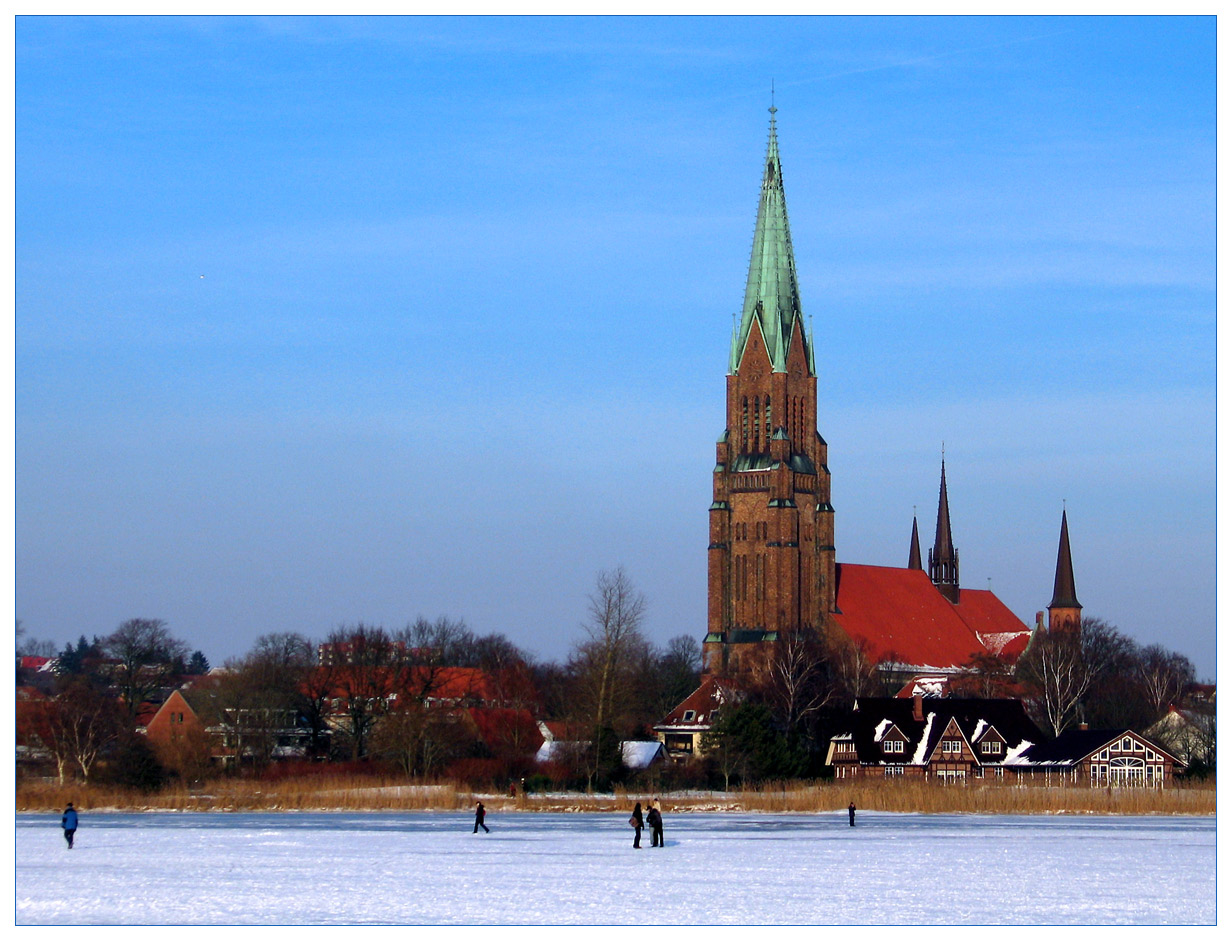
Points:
x=757 y=424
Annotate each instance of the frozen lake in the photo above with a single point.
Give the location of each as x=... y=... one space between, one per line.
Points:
x=428 y=868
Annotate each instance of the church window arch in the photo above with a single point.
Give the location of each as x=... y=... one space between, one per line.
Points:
x=757 y=424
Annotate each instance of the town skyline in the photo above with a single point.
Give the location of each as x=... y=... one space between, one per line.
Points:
x=332 y=321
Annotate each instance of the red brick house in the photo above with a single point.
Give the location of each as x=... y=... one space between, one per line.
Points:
x=173 y=721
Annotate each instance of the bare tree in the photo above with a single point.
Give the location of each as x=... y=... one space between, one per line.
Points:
x=985 y=676
x=145 y=655
x=78 y=725
x=602 y=665
x=1164 y=676
x=853 y=666
x=798 y=683
x=360 y=668
x=1063 y=667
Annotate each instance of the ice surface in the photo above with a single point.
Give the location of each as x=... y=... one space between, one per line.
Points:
x=428 y=868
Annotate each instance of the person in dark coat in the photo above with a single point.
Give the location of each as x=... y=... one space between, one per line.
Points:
x=655 y=819
x=479 y=815
x=69 y=823
x=851 y=814
x=636 y=823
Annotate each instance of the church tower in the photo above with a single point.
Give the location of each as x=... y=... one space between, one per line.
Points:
x=1064 y=611
x=942 y=557
x=771 y=553
x=913 y=553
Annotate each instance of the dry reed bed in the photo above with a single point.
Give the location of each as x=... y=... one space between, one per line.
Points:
x=370 y=794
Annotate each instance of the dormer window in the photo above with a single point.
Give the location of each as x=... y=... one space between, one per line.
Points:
x=990 y=748
x=689 y=714
x=892 y=747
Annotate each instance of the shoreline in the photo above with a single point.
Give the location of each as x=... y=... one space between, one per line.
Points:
x=364 y=796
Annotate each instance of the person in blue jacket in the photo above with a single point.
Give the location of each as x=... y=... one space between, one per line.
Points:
x=69 y=823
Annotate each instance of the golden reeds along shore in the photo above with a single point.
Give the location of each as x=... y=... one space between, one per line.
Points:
x=347 y=793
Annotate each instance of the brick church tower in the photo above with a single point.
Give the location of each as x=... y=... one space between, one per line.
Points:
x=771 y=553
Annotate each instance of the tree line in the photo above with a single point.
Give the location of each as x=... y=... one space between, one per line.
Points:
x=365 y=696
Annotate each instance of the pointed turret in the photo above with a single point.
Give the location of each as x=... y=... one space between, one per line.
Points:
x=943 y=558
x=772 y=293
x=1064 y=611
x=913 y=557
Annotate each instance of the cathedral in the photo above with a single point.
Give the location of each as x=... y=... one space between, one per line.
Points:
x=771 y=557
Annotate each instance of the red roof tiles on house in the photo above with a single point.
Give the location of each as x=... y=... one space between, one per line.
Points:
x=701 y=706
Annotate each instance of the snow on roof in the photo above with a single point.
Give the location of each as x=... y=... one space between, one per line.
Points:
x=639 y=755
x=978 y=730
x=882 y=726
x=1013 y=756
x=922 y=749
x=555 y=750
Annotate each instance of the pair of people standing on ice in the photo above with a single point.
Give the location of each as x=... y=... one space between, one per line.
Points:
x=654 y=818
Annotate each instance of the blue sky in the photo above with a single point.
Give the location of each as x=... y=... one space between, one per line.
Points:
x=320 y=321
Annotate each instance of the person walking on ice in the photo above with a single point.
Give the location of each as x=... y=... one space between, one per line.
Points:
x=655 y=819
x=851 y=814
x=635 y=822
x=479 y=815
x=69 y=823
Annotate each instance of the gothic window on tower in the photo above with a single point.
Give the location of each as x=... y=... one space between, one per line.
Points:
x=768 y=431
x=744 y=424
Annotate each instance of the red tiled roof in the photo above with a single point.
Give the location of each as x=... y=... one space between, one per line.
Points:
x=703 y=702
x=900 y=615
x=994 y=623
x=500 y=727
x=435 y=683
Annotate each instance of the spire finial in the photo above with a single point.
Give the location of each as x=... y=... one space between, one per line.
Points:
x=773 y=109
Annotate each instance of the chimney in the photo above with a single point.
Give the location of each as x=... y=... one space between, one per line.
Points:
x=917 y=707
x=1039 y=620
x=1082 y=727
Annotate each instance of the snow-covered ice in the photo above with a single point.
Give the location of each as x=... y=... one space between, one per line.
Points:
x=717 y=868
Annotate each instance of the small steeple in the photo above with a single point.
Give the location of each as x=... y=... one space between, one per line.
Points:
x=1064 y=611
x=913 y=557
x=772 y=292
x=942 y=557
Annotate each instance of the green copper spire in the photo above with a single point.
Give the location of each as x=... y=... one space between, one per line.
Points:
x=772 y=294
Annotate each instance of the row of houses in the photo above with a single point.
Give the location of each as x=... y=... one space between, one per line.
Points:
x=956 y=740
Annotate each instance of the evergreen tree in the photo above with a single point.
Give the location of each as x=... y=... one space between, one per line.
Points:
x=198 y=665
